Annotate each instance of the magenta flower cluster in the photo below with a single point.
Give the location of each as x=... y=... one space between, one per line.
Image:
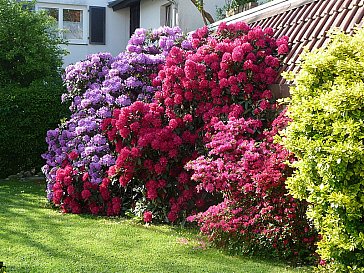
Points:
x=256 y=212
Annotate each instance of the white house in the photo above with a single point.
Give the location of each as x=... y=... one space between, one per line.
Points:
x=92 y=26
x=155 y=13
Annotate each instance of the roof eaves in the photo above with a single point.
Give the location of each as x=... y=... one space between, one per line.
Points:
x=120 y=4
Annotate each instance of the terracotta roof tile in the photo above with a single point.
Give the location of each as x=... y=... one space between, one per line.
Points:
x=307 y=25
x=325 y=25
x=314 y=11
x=287 y=18
x=305 y=16
x=336 y=6
x=274 y=20
x=306 y=22
x=281 y=19
x=308 y=34
x=348 y=18
x=357 y=20
x=321 y=10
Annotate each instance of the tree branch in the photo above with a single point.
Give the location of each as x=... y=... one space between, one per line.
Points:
x=205 y=15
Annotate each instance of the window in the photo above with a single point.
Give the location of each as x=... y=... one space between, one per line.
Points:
x=170 y=15
x=71 y=19
x=53 y=12
x=73 y=24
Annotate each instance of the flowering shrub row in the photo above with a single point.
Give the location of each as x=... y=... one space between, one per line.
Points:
x=139 y=118
x=151 y=154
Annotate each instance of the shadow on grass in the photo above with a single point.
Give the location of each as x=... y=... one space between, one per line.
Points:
x=25 y=216
x=39 y=239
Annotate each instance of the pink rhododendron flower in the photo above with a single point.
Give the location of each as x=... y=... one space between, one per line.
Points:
x=85 y=194
x=147 y=216
x=73 y=155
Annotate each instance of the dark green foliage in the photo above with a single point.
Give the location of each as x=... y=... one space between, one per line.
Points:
x=29 y=44
x=30 y=84
x=26 y=113
x=326 y=135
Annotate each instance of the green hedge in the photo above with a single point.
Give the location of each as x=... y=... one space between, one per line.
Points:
x=26 y=113
x=327 y=136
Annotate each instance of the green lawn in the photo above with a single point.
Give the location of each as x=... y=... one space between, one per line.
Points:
x=36 y=238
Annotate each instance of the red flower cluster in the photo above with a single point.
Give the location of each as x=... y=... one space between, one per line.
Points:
x=249 y=169
x=74 y=193
x=147 y=216
x=151 y=153
x=226 y=74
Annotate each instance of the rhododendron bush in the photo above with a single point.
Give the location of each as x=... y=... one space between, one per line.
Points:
x=223 y=74
x=78 y=152
x=170 y=109
x=256 y=214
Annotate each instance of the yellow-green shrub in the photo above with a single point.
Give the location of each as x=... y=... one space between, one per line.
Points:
x=327 y=136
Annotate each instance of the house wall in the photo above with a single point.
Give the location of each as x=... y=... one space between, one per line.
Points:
x=117 y=29
x=188 y=17
x=152 y=13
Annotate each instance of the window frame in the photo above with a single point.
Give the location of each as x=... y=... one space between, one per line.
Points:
x=61 y=8
x=168 y=15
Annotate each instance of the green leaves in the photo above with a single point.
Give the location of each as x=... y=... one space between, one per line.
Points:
x=26 y=113
x=326 y=135
x=29 y=45
x=30 y=85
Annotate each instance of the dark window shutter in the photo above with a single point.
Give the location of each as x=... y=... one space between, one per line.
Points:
x=134 y=17
x=97 y=25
